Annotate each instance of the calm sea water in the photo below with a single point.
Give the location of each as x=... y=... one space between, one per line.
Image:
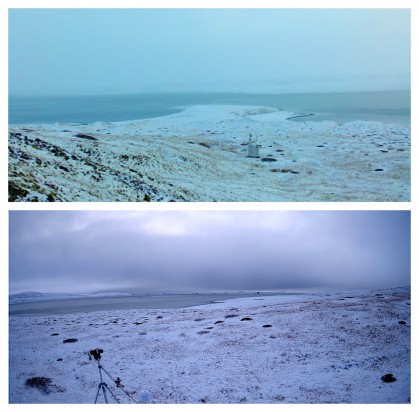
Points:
x=391 y=106
x=94 y=304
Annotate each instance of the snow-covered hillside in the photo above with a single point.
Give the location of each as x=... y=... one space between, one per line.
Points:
x=280 y=349
x=200 y=154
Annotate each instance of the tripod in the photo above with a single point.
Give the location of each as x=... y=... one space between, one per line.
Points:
x=96 y=355
x=102 y=385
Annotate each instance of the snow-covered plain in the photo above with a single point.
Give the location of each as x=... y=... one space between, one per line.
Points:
x=200 y=154
x=313 y=348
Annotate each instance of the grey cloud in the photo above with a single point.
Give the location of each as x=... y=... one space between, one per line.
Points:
x=171 y=251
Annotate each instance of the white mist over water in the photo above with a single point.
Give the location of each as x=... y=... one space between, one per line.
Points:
x=89 y=51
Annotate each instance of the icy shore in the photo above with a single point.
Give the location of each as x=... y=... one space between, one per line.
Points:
x=200 y=154
x=330 y=348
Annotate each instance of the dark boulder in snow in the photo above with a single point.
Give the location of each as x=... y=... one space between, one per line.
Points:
x=85 y=136
x=71 y=340
x=388 y=378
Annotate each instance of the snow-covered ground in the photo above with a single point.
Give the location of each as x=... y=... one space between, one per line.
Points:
x=200 y=154
x=324 y=348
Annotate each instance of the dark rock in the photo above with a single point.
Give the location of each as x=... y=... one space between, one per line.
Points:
x=51 y=185
x=378 y=170
x=388 y=378
x=267 y=326
x=54 y=334
x=285 y=171
x=85 y=136
x=71 y=340
x=51 y=198
x=402 y=322
x=268 y=159
x=246 y=319
x=59 y=359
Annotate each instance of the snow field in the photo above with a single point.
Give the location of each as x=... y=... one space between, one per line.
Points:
x=294 y=349
x=200 y=154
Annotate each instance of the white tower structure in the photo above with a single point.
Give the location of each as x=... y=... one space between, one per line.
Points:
x=253 y=147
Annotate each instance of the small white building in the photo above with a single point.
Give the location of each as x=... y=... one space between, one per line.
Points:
x=253 y=147
x=253 y=150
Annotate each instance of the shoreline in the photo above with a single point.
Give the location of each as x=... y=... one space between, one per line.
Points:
x=99 y=304
x=154 y=105
x=302 y=115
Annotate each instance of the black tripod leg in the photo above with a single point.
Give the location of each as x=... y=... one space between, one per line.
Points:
x=114 y=396
x=104 y=392
x=97 y=393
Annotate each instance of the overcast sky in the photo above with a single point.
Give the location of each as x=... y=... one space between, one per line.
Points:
x=85 y=251
x=62 y=51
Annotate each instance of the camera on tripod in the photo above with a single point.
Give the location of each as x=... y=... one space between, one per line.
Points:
x=96 y=353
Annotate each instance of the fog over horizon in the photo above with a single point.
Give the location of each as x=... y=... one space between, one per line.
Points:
x=97 y=51
x=190 y=251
